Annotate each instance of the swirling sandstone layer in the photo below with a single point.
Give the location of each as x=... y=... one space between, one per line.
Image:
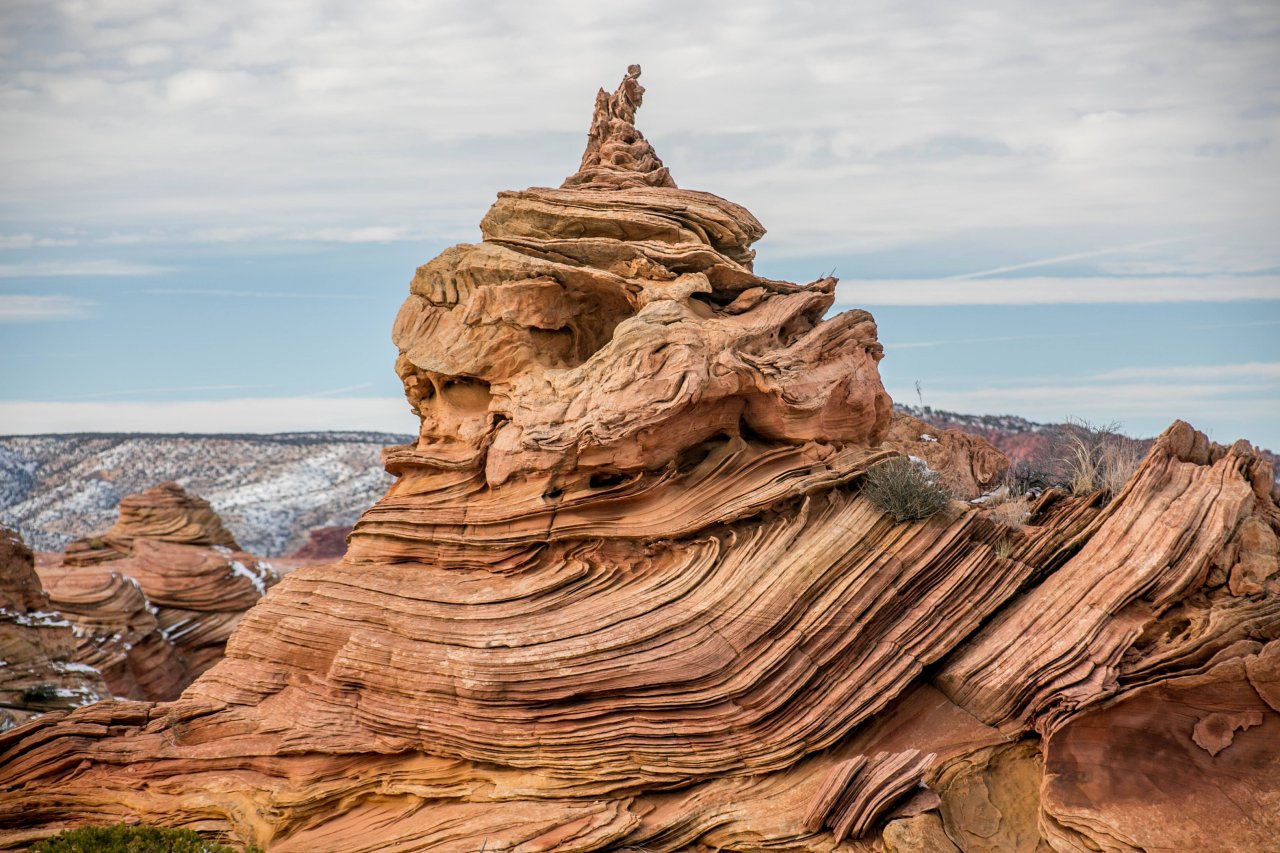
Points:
x=625 y=592
x=37 y=670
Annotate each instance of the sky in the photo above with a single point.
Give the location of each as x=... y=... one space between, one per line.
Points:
x=210 y=212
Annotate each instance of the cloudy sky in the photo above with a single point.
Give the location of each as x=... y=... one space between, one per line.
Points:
x=209 y=212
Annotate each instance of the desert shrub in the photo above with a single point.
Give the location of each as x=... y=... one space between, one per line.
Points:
x=39 y=693
x=1011 y=513
x=130 y=839
x=1121 y=457
x=904 y=490
x=1097 y=457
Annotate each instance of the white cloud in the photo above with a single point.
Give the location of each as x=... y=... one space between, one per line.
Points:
x=1250 y=370
x=22 y=308
x=1050 y=291
x=1060 y=259
x=30 y=241
x=147 y=54
x=366 y=234
x=246 y=294
x=844 y=128
x=116 y=239
x=94 y=269
x=966 y=341
x=187 y=389
x=255 y=415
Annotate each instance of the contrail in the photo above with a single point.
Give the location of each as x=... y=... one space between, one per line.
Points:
x=1063 y=258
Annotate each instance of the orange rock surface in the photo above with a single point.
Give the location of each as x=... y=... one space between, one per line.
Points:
x=626 y=594
x=38 y=672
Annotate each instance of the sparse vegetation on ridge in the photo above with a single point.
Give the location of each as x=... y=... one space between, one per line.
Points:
x=122 y=838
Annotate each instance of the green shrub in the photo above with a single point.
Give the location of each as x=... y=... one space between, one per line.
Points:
x=130 y=839
x=904 y=490
x=40 y=693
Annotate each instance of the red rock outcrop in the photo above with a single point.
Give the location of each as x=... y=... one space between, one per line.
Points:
x=626 y=594
x=154 y=599
x=970 y=465
x=323 y=545
x=37 y=669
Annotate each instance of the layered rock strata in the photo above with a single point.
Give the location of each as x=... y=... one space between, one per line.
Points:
x=626 y=594
x=117 y=632
x=38 y=672
x=969 y=464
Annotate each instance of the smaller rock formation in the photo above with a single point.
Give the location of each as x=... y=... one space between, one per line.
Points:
x=970 y=464
x=37 y=670
x=156 y=597
x=116 y=631
x=163 y=513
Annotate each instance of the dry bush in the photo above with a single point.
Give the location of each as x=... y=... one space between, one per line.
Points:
x=1098 y=457
x=904 y=490
x=1011 y=513
x=1027 y=478
x=1121 y=457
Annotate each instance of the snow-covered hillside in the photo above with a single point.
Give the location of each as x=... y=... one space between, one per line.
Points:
x=269 y=489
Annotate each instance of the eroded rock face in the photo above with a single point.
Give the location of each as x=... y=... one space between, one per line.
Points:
x=117 y=632
x=625 y=592
x=37 y=670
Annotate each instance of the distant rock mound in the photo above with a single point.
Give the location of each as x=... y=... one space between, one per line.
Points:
x=155 y=598
x=971 y=464
x=163 y=513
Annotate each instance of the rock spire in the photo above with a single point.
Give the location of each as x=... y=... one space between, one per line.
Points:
x=618 y=155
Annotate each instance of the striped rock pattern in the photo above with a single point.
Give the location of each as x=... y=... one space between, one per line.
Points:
x=38 y=669
x=116 y=630
x=626 y=594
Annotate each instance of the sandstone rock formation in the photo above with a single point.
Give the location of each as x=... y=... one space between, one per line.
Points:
x=970 y=464
x=37 y=670
x=625 y=594
x=116 y=631
x=155 y=598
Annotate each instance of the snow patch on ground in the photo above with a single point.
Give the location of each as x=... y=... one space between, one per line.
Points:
x=256 y=575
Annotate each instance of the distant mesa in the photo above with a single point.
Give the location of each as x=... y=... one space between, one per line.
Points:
x=628 y=593
x=324 y=544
